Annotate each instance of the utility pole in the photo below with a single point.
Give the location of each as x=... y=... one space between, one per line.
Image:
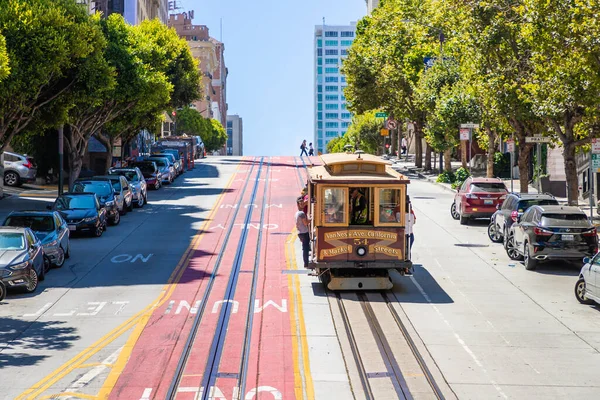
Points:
x=60 y=159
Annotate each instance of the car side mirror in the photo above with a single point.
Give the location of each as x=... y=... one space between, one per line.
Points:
x=587 y=260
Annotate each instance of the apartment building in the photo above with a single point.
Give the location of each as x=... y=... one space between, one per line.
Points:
x=331 y=117
x=371 y=5
x=134 y=11
x=235 y=136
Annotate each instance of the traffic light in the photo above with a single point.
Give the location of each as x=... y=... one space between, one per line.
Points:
x=387 y=145
x=174 y=113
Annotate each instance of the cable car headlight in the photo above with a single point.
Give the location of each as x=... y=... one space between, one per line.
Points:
x=361 y=251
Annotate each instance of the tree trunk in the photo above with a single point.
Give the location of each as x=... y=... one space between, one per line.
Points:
x=427 y=157
x=523 y=166
x=448 y=160
x=463 y=153
x=491 y=151
x=571 y=174
x=108 y=142
x=418 y=144
x=393 y=142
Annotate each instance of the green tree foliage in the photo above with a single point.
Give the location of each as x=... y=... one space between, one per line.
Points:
x=217 y=138
x=4 y=64
x=47 y=41
x=364 y=133
x=191 y=122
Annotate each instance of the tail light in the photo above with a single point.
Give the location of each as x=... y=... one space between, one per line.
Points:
x=471 y=196
x=514 y=215
x=28 y=164
x=542 y=232
x=591 y=232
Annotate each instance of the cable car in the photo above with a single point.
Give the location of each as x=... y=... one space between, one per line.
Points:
x=358 y=213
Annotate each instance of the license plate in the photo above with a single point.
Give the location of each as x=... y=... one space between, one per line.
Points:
x=569 y=238
x=488 y=202
x=72 y=227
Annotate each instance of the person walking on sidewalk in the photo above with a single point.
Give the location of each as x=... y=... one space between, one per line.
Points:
x=311 y=150
x=303 y=148
x=302 y=224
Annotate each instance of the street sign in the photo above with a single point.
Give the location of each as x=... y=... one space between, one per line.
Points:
x=381 y=115
x=537 y=139
x=596 y=146
x=392 y=124
x=596 y=162
x=385 y=132
x=464 y=133
x=470 y=125
x=510 y=145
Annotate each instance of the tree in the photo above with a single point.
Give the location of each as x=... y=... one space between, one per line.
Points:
x=4 y=64
x=364 y=133
x=191 y=122
x=217 y=138
x=47 y=41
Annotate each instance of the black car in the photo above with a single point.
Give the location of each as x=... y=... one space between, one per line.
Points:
x=551 y=233
x=106 y=196
x=511 y=209
x=151 y=172
x=82 y=211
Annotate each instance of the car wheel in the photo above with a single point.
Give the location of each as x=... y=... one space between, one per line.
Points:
x=494 y=233
x=580 y=292
x=46 y=265
x=116 y=219
x=32 y=281
x=511 y=249
x=98 y=231
x=505 y=239
x=530 y=262
x=124 y=210
x=453 y=211
x=11 y=178
x=60 y=258
x=140 y=202
x=130 y=206
x=2 y=290
x=157 y=185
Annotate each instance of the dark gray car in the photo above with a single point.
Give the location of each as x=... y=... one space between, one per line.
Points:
x=21 y=258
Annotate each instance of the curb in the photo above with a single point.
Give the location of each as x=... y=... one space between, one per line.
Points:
x=431 y=180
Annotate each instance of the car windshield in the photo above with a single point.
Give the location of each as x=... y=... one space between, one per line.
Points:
x=146 y=168
x=565 y=220
x=169 y=156
x=12 y=241
x=160 y=163
x=75 y=203
x=38 y=223
x=131 y=176
x=116 y=184
x=491 y=187
x=100 y=188
x=525 y=204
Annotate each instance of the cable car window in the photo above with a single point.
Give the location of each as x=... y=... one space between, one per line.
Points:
x=334 y=205
x=350 y=167
x=368 y=167
x=359 y=206
x=390 y=206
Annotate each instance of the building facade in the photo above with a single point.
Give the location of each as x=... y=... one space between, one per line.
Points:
x=331 y=117
x=134 y=11
x=235 y=136
x=371 y=5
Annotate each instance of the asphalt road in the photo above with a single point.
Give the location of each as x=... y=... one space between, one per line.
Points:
x=106 y=282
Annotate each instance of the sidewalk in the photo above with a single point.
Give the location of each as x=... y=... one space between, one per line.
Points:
x=32 y=190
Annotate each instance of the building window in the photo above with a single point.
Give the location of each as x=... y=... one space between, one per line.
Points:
x=343 y=133
x=331 y=125
x=346 y=42
x=320 y=106
x=346 y=116
x=320 y=115
x=332 y=70
x=319 y=52
x=331 y=34
x=331 y=79
x=331 y=88
x=331 y=134
x=346 y=34
x=344 y=52
x=345 y=124
x=319 y=97
x=230 y=124
x=319 y=133
x=320 y=142
x=319 y=43
x=319 y=70
x=331 y=97
x=333 y=43
x=331 y=106
x=331 y=52
x=330 y=61
x=343 y=79
x=319 y=88
x=319 y=78
x=319 y=61
x=320 y=125
x=331 y=115
x=344 y=106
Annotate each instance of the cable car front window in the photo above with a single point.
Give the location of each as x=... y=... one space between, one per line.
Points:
x=334 y=205
x=390 y=206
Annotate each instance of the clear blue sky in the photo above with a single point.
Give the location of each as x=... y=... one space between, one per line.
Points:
x=269 y=54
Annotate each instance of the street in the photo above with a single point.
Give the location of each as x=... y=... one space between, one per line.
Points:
x=215 y=253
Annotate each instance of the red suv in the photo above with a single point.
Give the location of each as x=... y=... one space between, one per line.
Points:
x=477 y=198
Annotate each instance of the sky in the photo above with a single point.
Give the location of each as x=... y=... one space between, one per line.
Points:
x=269 y=54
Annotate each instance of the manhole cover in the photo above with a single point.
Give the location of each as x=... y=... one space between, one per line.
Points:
x=471 y=245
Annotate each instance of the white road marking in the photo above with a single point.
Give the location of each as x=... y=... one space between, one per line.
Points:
x=122 y=303
x=146 y=394
x=40 y=311
x=93 y=373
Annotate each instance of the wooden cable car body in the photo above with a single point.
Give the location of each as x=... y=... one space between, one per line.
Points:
x=355 y=242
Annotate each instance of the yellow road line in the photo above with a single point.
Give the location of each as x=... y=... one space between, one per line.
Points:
x=87 y=353
x=297 y=296
x=68 y=394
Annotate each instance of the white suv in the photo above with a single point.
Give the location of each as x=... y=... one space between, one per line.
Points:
x=18 y=169
x=587 y=288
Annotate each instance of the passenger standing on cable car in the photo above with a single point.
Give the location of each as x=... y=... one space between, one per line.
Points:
x=358 y=208
x=302 y=224
x=411 y=219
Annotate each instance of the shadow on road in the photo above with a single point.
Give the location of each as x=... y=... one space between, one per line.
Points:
x=22 y=339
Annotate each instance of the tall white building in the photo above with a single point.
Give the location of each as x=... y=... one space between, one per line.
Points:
x=235 y=136
x=331 y=116
x=371 y=5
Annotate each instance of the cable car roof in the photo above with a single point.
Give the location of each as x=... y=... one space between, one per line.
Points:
x=355 y=168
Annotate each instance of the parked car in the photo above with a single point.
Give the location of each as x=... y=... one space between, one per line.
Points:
x=18 y=168
x=122 y=189
x=136 y=181
x=477 y=198
x=21 y=258
x=511 y=209
x=151 y=173
x=200 y=153
x=175 y=158
x=2 y=290
x=587 y=288
x=107 y=196
x=82 y=212
x=551 y=233
x=50 y=228
x=166 y=168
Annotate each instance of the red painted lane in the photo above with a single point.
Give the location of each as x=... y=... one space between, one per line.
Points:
x=196 y=367
x=158 y=349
